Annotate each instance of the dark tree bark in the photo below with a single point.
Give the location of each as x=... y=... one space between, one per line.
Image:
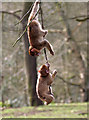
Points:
x=86 y=96
x=31 y=64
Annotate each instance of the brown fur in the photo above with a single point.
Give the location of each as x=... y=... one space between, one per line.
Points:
x=33 y=51
x=36 y=34
x=43 y=87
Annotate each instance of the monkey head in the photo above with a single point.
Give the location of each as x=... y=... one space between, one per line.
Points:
x=44 y=70
x=33 y=51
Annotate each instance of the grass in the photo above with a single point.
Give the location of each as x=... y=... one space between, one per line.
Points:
x=73 y=110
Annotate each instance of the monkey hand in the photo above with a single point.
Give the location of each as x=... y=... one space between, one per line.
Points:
x=54 y=73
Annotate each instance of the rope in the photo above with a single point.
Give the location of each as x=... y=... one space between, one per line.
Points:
x=43 y=28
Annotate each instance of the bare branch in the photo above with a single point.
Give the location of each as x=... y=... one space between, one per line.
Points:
x=78 y=17
x=12 y=13
x=75 y=29
x=20 y=36
x=56 y=31
x=70 y=83
x=24 y=15
x=70 y=18
x=82 y=19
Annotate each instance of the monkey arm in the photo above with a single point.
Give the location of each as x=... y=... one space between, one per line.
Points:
x=49 y=46
x=35 y=8
x=45 y=43
x=51 y=77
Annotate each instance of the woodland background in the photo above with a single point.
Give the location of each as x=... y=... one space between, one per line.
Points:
x=67 y=26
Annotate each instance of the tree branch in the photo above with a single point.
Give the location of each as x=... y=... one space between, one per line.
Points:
x=25 y=15
x=70 y=83
x=82 y=19
x=56 y=31
x=77 y=18
x=12 y=13
x=20 y=36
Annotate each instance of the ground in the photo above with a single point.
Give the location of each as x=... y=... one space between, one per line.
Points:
x=73 y=110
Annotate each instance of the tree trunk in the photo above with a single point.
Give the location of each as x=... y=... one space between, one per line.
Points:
x=31 y=64
x=86 y=96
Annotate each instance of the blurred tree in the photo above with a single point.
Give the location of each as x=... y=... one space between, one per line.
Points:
x=76 y=50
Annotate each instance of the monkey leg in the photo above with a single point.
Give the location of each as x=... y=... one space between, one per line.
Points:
x=50 y=90
x=48 y=98
x=46 y=44
x=34 y=10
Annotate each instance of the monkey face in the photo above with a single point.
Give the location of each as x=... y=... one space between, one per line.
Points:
x=44 y=70
x=34 y=52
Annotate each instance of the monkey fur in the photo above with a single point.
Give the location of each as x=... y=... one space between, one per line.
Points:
x=36 y=34
x=33 y=51
x=43 y=86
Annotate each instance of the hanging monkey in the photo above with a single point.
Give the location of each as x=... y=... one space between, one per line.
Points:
x=43 y=86
x=36 y=34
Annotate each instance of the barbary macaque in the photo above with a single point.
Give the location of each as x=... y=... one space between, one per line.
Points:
x=43 y=86
x=36 y=34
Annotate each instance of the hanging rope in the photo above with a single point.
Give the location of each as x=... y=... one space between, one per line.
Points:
x=43 y=28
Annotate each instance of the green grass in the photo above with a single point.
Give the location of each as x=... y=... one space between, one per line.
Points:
x=73 y=110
